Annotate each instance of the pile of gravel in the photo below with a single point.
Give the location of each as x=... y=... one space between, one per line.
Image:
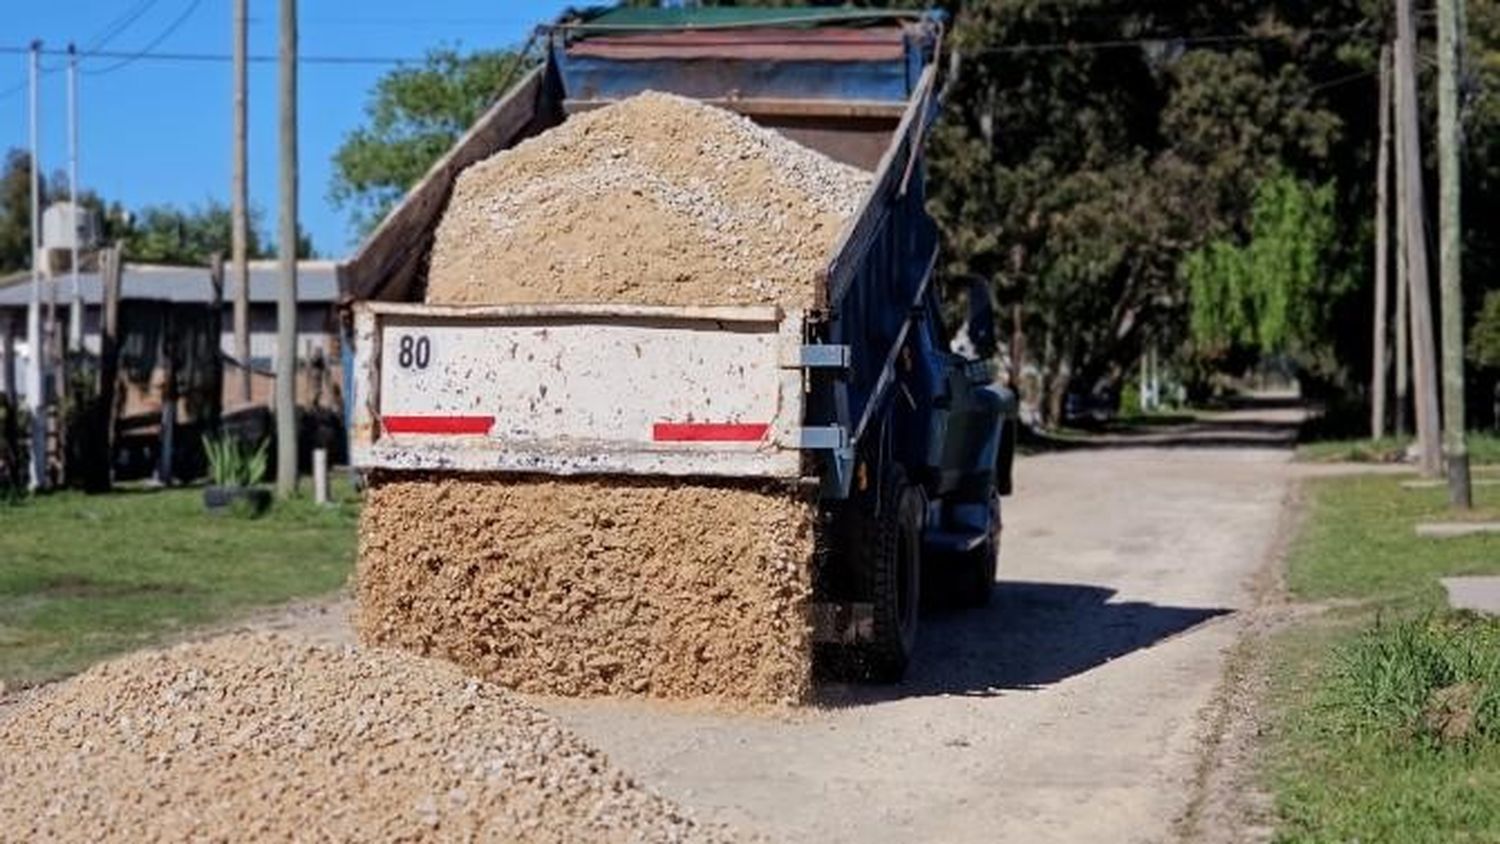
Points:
x=253 y=738
x=585 y=586
x=656 y=200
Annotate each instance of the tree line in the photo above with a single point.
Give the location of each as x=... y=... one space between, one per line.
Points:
x=153 y=234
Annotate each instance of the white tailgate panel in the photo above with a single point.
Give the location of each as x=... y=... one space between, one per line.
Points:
x=571 y=390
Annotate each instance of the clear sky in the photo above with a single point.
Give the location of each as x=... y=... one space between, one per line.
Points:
x=156 y=131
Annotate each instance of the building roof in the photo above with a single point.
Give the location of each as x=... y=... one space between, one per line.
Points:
x=317 y=282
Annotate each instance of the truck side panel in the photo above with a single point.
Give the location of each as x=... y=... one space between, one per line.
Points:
x=875 y=287
x=571 y=389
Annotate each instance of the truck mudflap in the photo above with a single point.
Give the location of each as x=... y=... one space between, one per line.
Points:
x=585 y=389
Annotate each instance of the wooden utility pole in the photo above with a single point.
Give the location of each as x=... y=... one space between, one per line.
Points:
x=111 y=268
x=1424 y=348
x=1402 y=401
x=239 y=209
x=1378 y=365
x=286 y=299
x=1450 y=257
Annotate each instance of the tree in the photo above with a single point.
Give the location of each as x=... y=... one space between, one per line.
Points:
x=1090 y=147
x=166 y=234
x=1271 y=294
x=414 y=116
x=15 y=212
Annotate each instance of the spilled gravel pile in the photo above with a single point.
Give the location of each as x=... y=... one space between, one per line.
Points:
x=593 y=586
x=256 y=738
x=656 y=200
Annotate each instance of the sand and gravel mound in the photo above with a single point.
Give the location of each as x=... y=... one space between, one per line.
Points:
x=656 y=200
x=254 y=738
x=594 y=586
x=663 y=587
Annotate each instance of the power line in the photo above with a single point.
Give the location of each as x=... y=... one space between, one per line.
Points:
x=165 y=34
x=120 y=24
x=148 y=55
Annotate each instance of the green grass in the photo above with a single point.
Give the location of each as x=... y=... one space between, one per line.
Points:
x=1357 y=542
x=1387 y=708
x=1484 y=450
x=85 y=577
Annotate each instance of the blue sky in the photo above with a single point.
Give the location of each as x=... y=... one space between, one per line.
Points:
x=159 y=131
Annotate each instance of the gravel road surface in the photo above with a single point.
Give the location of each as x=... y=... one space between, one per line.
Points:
x=1073 y=709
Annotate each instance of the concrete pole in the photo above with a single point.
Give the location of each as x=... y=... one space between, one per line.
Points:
x=320 y=475
x=75 y=308
x=239 y=210
x=1424 y=347
x=1378 y=362
x=1450 y=257
x=286 y=299
x=1402 y=398
x=36 y=342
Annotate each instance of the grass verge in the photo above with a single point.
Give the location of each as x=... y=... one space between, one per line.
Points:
x=1484 y=450
x=85 y=577
x=1386 y=708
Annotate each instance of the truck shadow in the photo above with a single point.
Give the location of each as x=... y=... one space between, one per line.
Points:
x=1030 y=636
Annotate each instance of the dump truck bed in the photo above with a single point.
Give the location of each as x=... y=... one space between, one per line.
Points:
x=865 y=96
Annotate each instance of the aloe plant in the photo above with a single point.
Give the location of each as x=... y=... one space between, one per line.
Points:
x=233 y=463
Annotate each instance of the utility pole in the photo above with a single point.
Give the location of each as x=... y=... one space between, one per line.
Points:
x=1424 y=348
x=1450 y=257
x=286 y=299
x=36 y=343
x=239 y=209
x=1378 y=367
x=75 y=310
x=1403 y=281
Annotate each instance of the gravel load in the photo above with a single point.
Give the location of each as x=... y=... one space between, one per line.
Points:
x=254 y=738
x=664 y=587
x=594 y=586
x=656 y=200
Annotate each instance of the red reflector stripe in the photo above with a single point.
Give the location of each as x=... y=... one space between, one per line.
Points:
x=438 y=424
x=697 y=432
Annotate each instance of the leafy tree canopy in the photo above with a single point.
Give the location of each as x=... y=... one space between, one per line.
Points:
x=414 y=115
x=1272 y=293
x=166 y=234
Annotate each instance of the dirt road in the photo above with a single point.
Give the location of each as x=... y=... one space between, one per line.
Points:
x=1073 y=709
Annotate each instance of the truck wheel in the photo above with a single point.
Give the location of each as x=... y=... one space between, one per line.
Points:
x=892 y=556
x=976 y=569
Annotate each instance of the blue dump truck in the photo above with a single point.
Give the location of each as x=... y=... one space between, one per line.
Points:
x=908 y=442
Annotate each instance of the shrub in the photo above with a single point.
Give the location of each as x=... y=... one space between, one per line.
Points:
x=234 y=463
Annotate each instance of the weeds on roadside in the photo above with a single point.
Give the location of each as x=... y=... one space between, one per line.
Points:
x=1432 y=681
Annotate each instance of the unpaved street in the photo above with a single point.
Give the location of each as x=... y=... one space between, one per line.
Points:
x=1071 y=710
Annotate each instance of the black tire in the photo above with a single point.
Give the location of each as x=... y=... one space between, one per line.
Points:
x=975 y=570
x=890 y=553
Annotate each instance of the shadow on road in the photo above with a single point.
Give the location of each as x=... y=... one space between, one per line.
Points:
x=1030 y=636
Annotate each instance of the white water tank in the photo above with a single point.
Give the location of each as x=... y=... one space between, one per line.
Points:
x=62 y=226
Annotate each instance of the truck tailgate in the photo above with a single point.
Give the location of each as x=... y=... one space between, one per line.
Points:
x=573 y=389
